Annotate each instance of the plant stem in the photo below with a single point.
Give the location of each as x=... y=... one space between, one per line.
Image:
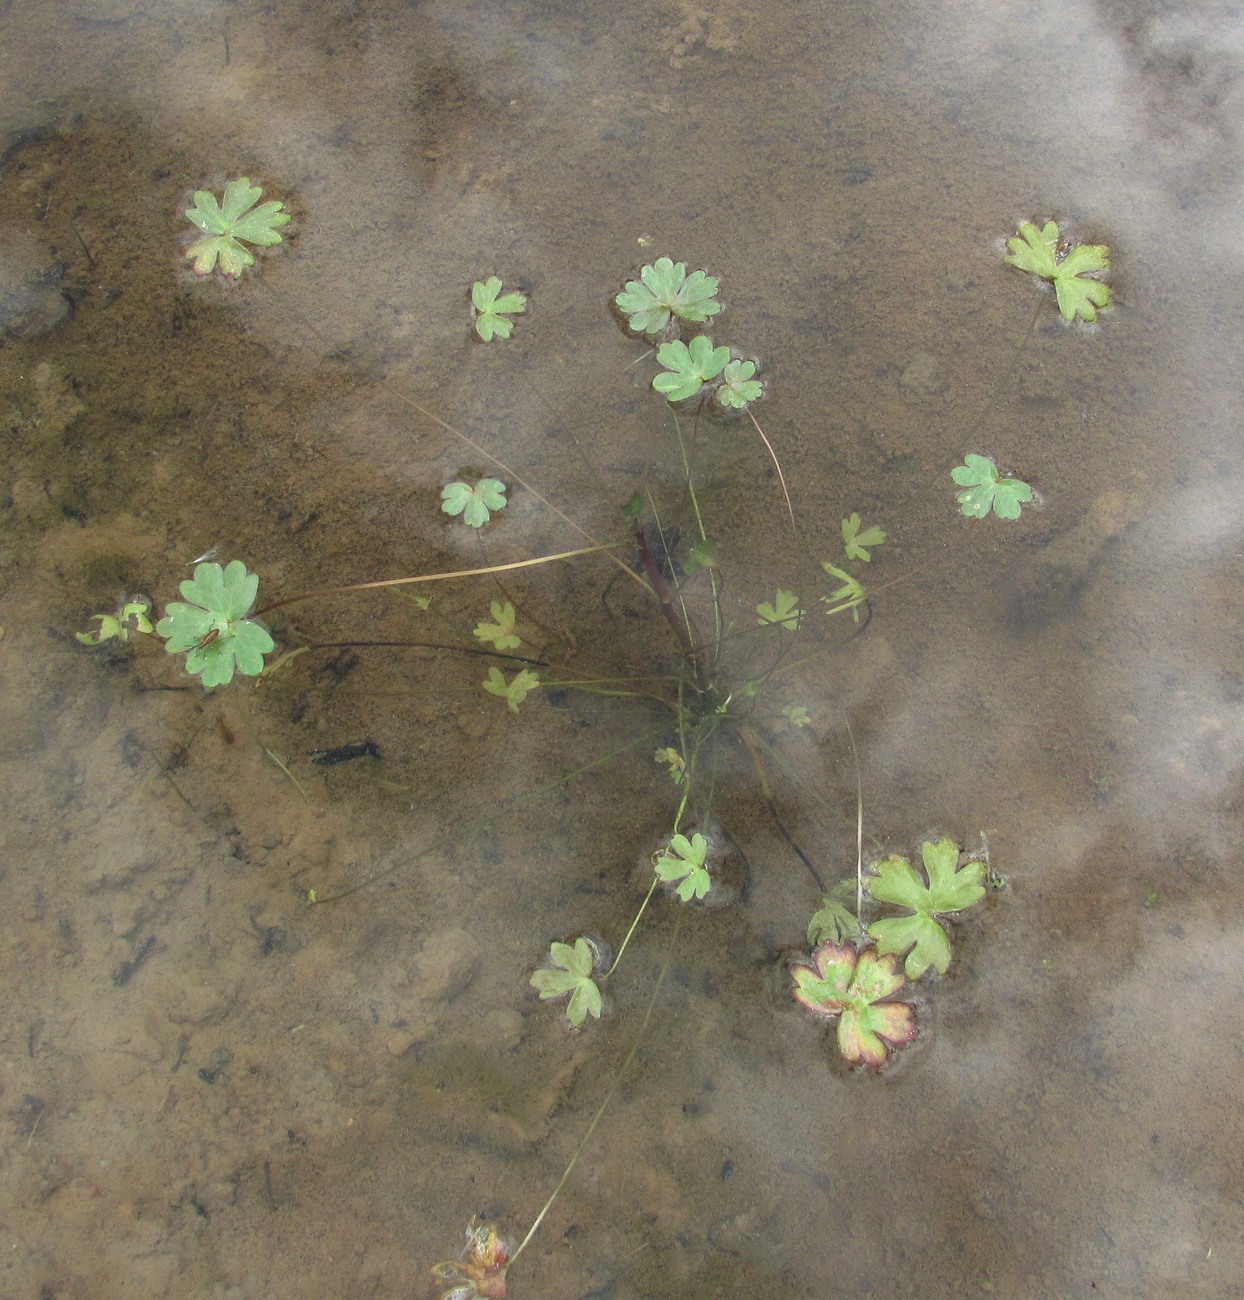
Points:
x=609 y=1096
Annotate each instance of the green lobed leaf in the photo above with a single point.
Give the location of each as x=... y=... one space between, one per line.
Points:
x=571 y=972
x=857 y=542
x=738 y=388
x=493 y=308
x=853 y=985
x=986 y=490
x=664 y=290
x=500 y=632
x=784 y=611
x=1078 y=294
x=682 y=865
x=474 y=504
x=688 y=367
x=224 y=226
x=950 y=889
x=211 y=627
x=513 y=692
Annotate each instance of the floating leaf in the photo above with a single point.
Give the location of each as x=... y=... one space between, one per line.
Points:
x=571 y=971
x=688 y=367
x=682 y=864
x=854 y=986
x=949 y=889
x=738 y=388
x=986 y=490
x=1036 y=251
x=857 y=542
x=212 y=629
x=474 y=504
x=493 y=308
x=665 y=290
x=237 y=219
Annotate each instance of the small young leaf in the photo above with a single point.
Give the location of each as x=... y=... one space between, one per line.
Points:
x=500 y=632
x=851 y=595
x=515 y=692
x=737 y=388
x=224 y=226
x=796 y=715
x=683 y=864
x=950 y=889
x=675 y=762
x=857 y=542
x=834 y=919
x=688 y=367
x=474 y=504
x=784 y=611
x=703 y=555
x=986 y=491
x=1036 y=251
x=130 y=618
x=571 y=971
x=665 y=290
x=853 y=986
x=493 y=308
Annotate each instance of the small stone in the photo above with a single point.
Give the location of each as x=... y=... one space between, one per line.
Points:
x=400 y=1042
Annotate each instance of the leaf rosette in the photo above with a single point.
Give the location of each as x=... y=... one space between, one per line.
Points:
x=211 y=629
x=664 y=291
x=855 y=987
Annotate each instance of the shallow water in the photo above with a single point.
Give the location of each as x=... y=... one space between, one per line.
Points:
x=211 y=1088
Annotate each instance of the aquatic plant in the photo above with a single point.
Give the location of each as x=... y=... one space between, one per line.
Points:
x=950 y=889
x=1038 y=252
x=784 y=610
x=688 y=367
x=739 y=387
x=682 y=864
x=572 y=970
x=849 y=596
x=493 y=309
x=129 y=619
x=479 y=1272
x=474 y=504
x=986 y=490
x=500 y=632
x=834 y=919
x=513 y=692
x=226 y=225
x=211 y=628
x=665 y=292
x=856 y=986
x=857 y=542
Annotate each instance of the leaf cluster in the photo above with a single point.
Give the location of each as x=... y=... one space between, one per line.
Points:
x=665 y=292
x=211 y=627
x=226 y=224
x=856 y=986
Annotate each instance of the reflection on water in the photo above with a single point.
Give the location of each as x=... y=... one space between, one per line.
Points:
x=213 y=1089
